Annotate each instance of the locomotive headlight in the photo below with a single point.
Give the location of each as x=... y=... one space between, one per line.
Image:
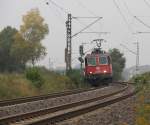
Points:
x=105 y=71
x=90 y=72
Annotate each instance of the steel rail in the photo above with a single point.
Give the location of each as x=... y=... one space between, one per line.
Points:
x=43 y=97
x=69 y=115
x=34 y=114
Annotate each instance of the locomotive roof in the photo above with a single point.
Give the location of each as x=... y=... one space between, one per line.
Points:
x=95 y=55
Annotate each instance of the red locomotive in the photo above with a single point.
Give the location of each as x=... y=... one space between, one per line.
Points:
x=98 y=67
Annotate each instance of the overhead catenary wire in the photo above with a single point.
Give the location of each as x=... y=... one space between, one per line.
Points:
x=128 y=49
x=136 y=17
x=129 y=11
x=143 y=32
x=89 y=11
x=89 y=50
x=85 y=7
x=83 y=24
x=92 y=31
x=86 y=17
x=65 y=11
x=60 y=7
x=147 y=3
x=74 y=59
x=143 y=16
x=139 y=20
x=148 y=26
x=124 y=18
x=86 y=27
x=97 y=32
x=56 y=13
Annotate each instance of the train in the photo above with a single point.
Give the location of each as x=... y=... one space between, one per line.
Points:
x=98 y=67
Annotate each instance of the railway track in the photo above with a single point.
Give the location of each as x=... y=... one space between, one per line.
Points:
x=42 y=97
x=66 y=111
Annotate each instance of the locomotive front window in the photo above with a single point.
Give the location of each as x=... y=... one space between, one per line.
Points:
x=91 y=61
x=103 y=60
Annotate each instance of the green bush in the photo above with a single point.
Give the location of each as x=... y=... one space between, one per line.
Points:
x=142 y=105
x=142 y=79
x=55 y=82
x=34 y=75
x=77 y=78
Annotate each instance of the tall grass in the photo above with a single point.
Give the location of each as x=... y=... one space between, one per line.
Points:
x=15 y=85
x=54 y=82
x=143 y=99
x=19 y=85
x=143 y=106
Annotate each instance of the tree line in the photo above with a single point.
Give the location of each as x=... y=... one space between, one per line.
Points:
x=19 y=47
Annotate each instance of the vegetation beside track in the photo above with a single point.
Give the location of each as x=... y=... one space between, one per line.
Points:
x=16 y=85
x=20 y=48
x=143 y=99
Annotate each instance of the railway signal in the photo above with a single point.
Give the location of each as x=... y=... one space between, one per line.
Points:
x=81 y=51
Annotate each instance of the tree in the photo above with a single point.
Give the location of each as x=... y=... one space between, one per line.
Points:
x=7 y=62
x=118 y=63
x=34 y=31
x=17 y=48
x=21 y=50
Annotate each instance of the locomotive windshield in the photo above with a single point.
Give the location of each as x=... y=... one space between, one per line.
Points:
x=91 y=61
x=103 y=60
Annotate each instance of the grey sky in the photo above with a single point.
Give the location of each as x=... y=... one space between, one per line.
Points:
x=11 y=12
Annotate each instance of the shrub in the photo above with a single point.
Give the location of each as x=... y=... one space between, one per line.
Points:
x=142 y=79
x=77 y=78
x=34 y=75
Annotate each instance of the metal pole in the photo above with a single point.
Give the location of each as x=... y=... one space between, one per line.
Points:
x=137 y=57
x=137 y=53
x=68 y=50
x=49 y=63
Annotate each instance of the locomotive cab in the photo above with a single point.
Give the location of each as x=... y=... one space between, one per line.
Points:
x=98 y=67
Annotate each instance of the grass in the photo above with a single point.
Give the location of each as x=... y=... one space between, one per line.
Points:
x=16 y=85
x=56 y=83
x=143 y=106
x=143 y=99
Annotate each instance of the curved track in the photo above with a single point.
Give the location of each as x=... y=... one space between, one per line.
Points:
x=67 y=111
x=46 y=96
x=42 y=97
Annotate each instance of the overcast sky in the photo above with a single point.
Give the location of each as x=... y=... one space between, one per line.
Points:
x=120 y=25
